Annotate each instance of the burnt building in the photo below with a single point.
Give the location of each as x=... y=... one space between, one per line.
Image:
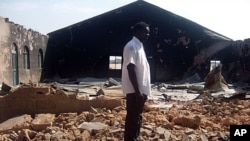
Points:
x=21 y=53
x=177 y=47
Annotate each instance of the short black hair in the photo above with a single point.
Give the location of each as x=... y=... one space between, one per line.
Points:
x=139 y=26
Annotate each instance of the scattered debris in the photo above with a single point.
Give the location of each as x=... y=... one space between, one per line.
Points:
x=215 y=81
x=97 y=112
x=5 y=88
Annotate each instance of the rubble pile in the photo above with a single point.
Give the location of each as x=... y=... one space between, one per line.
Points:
x=202 y=120
x=96 y=111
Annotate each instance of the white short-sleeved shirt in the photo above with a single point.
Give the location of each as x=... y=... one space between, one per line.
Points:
x=134 y=53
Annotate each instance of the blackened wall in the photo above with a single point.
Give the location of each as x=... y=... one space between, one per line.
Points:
x=176 y=48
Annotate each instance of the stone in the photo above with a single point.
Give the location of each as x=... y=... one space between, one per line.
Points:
x=92 y=126
x=42 y=121
x=203 y=138
x=207 y=123
x=247 y=111
x=119 y=108
x=145 y=132
x=90 y=117
x=93 y=110
x=189 y=131
x=164 y=134
x=58 y=136
x=191 y=122
x=5 y=87
x=27 y=134
x=16 y=123
x=85 y=135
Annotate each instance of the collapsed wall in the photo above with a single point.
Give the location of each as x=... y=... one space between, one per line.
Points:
x=34 y=99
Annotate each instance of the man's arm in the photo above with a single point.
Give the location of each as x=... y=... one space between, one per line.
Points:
x=133 y=77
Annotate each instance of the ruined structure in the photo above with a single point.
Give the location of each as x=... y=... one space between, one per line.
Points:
x=21 y=53
x=32 y=112
x=215 y=81
x=34 y=99
x=177 y=47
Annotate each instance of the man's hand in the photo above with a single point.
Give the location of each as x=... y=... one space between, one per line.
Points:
x=139 y=96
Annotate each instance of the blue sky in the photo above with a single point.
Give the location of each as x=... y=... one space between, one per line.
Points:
x=227 y=17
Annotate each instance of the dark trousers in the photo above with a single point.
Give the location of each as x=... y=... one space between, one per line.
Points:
x=133 y=118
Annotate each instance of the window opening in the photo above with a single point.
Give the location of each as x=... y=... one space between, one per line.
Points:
x=26 y=58
x=14 y=60
x=115 y=62
x=40 y=58
x=214 y=63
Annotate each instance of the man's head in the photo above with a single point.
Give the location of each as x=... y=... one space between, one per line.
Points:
x=141 y=31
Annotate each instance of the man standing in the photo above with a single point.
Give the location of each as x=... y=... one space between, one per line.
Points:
x=135 y=80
